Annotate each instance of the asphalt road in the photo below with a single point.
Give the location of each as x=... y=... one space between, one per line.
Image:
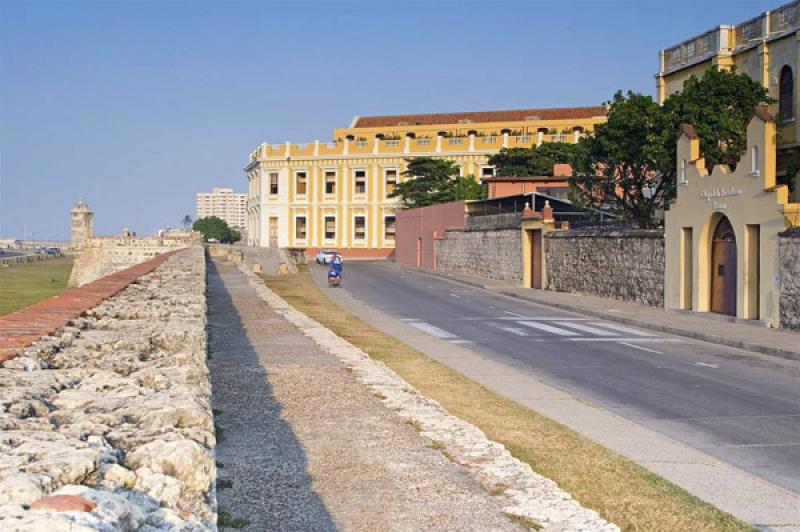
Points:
x=740 y=407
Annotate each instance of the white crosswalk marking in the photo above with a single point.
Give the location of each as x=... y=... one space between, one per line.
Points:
x=432 y=330
x=515 y=330
x=586 y=328
x=622 y=328
x=548 y=328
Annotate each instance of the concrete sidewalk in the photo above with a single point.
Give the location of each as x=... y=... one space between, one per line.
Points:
x=700 y=326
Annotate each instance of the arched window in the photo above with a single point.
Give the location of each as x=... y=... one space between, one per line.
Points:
x=786 y=94
x=754 y=160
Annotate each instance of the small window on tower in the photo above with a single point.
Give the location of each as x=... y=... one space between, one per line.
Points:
x=273 y=183
x=302 y=181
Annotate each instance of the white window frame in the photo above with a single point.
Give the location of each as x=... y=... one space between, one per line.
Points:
x=366 y=182
x=301 y=171
x=335 y=172
x=366 y=225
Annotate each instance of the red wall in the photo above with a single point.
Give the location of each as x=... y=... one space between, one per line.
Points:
x=421 y=225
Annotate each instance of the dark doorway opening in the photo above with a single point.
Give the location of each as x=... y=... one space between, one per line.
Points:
x=723 y=269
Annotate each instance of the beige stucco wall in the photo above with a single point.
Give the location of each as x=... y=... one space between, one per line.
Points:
x=746 y=197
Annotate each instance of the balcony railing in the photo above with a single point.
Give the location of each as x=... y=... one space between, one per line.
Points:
x=696 y=49
x=410 y=145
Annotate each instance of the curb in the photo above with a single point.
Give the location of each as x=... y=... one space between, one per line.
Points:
x=739 y=344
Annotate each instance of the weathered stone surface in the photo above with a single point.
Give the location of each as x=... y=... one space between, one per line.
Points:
x=790 y=279
x=78 y=408
x=627 y=265
x=492 y=254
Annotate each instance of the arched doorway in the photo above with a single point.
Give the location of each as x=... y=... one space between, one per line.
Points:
x=723 y=268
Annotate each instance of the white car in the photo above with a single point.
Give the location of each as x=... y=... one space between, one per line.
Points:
x=325 y=256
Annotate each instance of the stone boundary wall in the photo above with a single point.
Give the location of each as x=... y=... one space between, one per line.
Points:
x=108 y=425
x=621 y=264
x=105 y=255
x=789 y=251
x=22 y=328
x=492 y=254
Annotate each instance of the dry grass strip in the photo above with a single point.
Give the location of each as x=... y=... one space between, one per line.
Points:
x=622 y=492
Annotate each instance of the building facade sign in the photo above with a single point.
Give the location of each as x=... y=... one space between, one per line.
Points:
x=721 y=232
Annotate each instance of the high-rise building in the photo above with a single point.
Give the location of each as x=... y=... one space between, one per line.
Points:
x=336 y=194
x=223 y=203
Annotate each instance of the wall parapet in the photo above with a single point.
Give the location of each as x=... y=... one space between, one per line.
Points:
x=606 y=233
x=109 y=425
x=493 y=222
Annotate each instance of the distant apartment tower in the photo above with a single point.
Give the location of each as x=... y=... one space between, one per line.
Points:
x=223 y=203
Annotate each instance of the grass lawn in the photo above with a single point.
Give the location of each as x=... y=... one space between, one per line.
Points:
x=620 y=490
x=27 y=283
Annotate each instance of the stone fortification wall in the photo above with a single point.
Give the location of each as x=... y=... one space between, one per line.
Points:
x=494 y=254
x=105 y=255
x=108 y=426
x=621 y=264
x=790 y=279
x=260 y=259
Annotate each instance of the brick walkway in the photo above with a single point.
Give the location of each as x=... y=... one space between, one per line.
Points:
x=26 y=326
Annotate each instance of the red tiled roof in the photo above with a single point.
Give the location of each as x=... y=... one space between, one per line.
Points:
x=562 y=113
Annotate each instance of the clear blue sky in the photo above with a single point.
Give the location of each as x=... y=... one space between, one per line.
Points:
x=136 y=105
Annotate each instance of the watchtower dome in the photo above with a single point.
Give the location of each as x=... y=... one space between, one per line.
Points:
x=81 y=225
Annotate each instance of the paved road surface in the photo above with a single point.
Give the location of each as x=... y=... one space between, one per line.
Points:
x=739 y=407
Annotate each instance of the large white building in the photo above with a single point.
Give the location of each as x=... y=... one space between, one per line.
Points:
x=223 y=203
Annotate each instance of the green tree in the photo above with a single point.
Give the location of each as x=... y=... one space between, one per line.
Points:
x=214 y=228
x=430 y=181
x=620 y=165
x=537 y=160
x=719 y=105
x=187 y=221
x=629 y=164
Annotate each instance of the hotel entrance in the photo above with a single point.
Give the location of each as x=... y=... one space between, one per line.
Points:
x=721 y=231
x=723 y=269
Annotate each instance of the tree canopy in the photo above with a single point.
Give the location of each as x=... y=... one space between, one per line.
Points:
x=629 y=164
x=536 y=160
x=214 y=228
x=430 y=181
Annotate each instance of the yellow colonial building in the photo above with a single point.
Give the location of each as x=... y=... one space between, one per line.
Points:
x=722 y=230
x=765 y=48
x=336 y=194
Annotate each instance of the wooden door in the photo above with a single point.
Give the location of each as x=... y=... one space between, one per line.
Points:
x=536 y=259
x=273 y=231
x=723 y=269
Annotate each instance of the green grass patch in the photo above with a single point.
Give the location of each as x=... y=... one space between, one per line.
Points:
x=30 y=282
x=620 y=490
